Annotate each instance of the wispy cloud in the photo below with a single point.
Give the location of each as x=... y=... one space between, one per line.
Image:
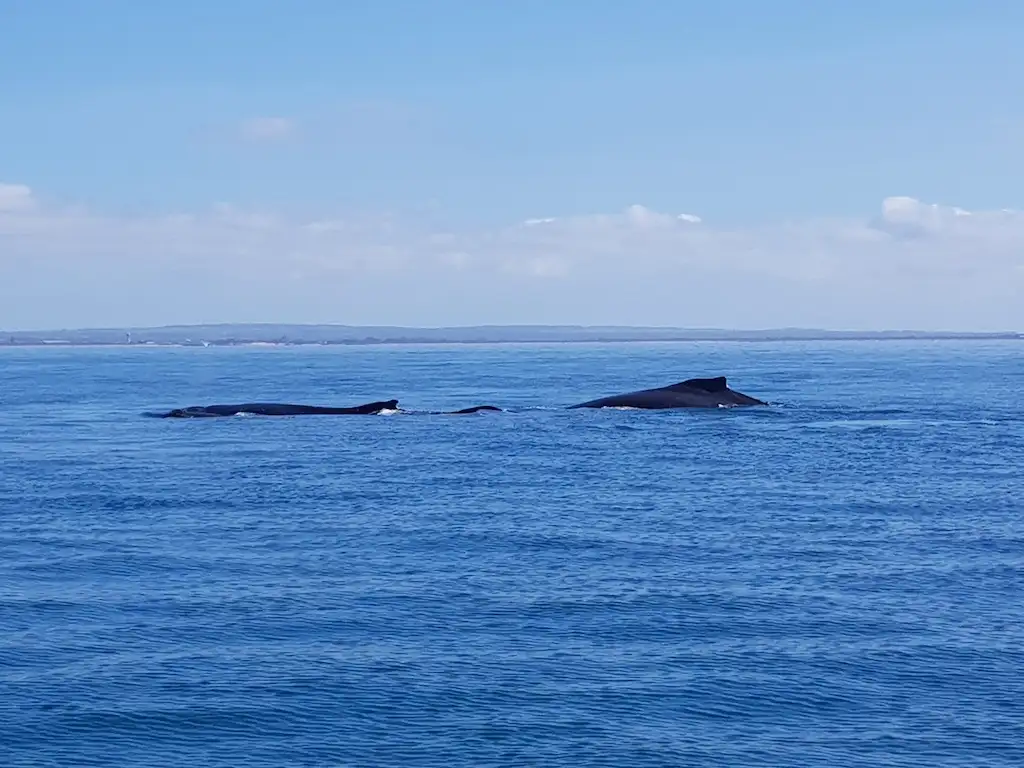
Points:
x=268 y=128
x=913 y=264
x=362 y=122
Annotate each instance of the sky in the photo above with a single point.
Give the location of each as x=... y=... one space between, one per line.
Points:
x=746 y=164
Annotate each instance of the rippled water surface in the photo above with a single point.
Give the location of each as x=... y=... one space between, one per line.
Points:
x=837 y=580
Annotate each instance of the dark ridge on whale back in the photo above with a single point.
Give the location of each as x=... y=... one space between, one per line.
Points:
x=476 y=409
x=716 y=384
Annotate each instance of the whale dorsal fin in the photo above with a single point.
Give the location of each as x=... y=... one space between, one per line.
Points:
x=717 y=384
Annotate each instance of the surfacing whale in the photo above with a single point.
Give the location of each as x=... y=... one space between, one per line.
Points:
x=692 y=393
x=277 y=409
x=291 y=409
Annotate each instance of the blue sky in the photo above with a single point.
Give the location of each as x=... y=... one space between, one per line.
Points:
x=424 y=123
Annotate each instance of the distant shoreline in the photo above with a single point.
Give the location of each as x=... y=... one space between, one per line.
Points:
x=274 y=335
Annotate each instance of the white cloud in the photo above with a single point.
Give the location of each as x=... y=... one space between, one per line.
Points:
x=914 y=265
x=268 y=128
x=907 y=216
x=16 y=197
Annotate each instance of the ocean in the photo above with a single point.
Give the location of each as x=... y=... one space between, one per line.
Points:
x=836 y=580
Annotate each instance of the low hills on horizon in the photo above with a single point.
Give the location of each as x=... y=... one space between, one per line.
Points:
x=235 y=334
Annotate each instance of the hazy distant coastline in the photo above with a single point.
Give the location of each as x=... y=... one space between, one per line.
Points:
x=244 y=334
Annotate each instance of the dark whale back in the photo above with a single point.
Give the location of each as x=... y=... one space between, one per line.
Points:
x=475 y=409
x=292 y=409
x=692 y=393
x=278 y=409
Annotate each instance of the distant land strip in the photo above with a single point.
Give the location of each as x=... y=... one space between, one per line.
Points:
x=264 y=334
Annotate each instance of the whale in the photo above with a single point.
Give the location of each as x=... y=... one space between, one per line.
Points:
x=692 y=393
x=293 y=409
x=277 y=409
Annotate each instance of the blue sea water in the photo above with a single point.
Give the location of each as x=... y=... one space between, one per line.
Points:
x=836 y=580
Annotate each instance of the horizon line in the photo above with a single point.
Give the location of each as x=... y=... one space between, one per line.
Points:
x=279 y=332
x=472 y=326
